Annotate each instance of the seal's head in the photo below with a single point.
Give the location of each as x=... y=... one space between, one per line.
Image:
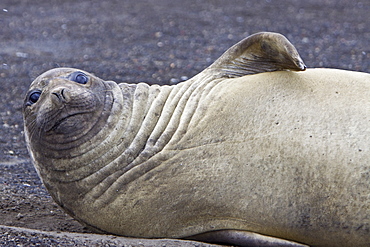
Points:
x=64 y=108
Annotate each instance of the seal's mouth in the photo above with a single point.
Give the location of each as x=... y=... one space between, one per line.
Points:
x=67 y=124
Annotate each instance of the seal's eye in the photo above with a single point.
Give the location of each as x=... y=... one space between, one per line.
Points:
x=33 y=97
x=79 y=77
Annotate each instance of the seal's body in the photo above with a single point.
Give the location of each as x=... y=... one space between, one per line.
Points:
x=228 y=156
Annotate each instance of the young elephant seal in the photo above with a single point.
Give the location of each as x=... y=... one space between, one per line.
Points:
x=229 y=156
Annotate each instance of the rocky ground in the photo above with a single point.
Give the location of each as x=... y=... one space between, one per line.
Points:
x=162 y=42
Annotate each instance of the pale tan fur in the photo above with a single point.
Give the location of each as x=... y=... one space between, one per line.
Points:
x=283 y=154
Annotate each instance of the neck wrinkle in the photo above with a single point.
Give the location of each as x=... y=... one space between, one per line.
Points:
x=152 y=116
x=176 y=109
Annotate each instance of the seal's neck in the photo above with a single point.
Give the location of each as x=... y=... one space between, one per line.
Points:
x=144 y=120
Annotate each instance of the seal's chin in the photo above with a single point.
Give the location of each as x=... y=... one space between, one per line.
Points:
x=67 y=125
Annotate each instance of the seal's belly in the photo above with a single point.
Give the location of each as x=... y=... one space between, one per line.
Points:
x=282 y=155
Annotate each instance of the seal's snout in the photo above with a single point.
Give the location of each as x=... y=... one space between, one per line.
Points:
x=60 y=95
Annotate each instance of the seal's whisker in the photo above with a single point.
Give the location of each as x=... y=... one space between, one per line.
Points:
x=34 y=130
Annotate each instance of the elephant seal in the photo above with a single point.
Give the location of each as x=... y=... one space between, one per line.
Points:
x=247 y=152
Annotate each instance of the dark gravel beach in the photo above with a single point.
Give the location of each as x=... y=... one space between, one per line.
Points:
x=159 y=42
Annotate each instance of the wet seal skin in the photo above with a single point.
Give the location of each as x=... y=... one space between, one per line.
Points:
x=256 y=150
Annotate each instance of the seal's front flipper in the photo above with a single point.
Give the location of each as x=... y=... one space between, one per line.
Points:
x=261 y=52
x=243 y=238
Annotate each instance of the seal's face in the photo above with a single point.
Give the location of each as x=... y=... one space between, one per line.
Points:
x=64 y=106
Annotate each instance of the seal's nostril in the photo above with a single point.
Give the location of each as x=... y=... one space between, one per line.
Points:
x=59 y=96
x=56 y=94
x=62 y=93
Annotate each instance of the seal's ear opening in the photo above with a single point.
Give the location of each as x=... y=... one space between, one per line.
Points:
x=258 y=53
